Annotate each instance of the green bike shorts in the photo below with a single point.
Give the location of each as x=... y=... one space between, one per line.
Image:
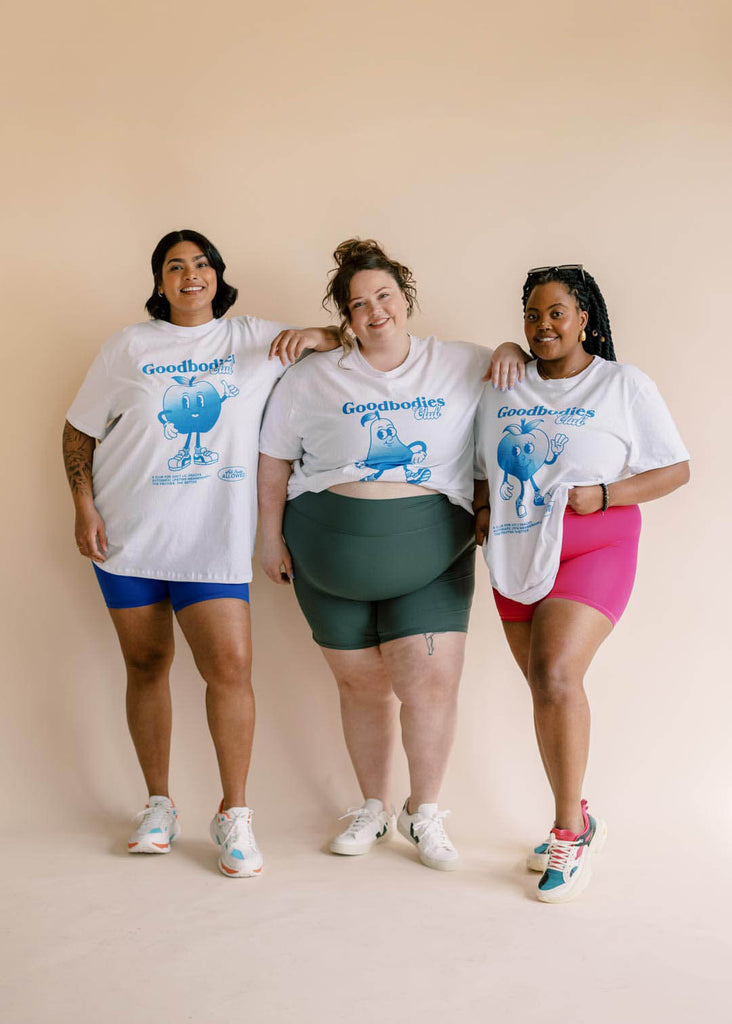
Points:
x=368 y=571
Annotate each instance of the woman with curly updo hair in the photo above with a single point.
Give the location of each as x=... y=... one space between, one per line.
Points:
x=564 y=463
x=160 y=446
x=366 y=482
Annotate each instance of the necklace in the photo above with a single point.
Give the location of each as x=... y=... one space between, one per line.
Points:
x=566 y=375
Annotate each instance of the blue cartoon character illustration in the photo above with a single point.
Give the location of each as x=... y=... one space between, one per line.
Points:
x=522 y=452
x=192 y=407
x=387 y=451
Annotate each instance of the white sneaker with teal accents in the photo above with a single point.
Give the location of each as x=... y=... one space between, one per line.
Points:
x=239 y=855
x=156 y=826
x=425 y=829
x=538 y=859
x=569 y=869
x=371 y=825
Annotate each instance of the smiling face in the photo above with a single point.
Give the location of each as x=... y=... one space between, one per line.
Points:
x=377 y=309
x=383 y=432
x=523 y=450
x=193 y=407
x=188 y=282
x=552 y=325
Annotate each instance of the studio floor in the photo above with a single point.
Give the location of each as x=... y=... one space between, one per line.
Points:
x=93 y=934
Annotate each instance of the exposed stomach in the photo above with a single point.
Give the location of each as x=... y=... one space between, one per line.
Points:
x=379 y=489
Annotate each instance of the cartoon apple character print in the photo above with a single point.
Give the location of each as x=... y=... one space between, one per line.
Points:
x=387 y=451
x=192 y=407
x=523 y=451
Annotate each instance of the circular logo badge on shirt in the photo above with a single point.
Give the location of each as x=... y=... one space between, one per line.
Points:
x=232 y=473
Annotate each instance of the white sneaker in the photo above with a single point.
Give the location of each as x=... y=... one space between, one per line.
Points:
x=425 y=829
x=239 y=855
x=371 y=825
x=538 y=859
x=156 y=827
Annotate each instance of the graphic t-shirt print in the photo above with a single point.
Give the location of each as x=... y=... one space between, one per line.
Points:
x=192 y=406
x=522 y=452
x=388 y=451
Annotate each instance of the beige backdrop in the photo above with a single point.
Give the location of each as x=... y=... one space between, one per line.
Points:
x=474 y=139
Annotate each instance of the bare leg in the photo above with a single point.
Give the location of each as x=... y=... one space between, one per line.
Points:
x=368 y=713
x=565 y=636
x=146 y=638
x=219 y=635
x=518 y=635
x=424 y=671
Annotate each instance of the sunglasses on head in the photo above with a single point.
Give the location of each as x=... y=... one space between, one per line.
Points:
x=564 y=266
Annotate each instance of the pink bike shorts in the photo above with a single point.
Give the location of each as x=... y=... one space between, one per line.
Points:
x=597 y=564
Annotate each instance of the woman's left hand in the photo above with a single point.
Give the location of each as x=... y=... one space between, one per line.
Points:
x=585 y=500
x=289 y=345
x=507 y=367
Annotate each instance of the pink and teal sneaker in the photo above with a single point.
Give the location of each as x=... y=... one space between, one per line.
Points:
x=156 y=826
x=569 y=869
x=538 y=859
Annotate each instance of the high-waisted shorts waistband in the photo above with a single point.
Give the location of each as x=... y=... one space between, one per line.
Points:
x=367 y=570
x=369 y=517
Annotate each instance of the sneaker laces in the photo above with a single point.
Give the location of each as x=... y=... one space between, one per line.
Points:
x=434 y=829
x=361 y=818
x=236 y=829
x=155 y=816
x=559 y=851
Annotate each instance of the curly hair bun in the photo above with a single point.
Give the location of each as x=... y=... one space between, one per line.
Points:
x=356 y=249
x=351 y=257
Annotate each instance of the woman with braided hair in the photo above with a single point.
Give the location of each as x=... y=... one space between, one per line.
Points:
x=365 y=485
x=564 y=463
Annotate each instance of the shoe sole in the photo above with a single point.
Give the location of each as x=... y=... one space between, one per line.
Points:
x=537 y=862
x=436 y=865
x=244 y=873
x=147 y=845
x=353 y=850
x=567 y=893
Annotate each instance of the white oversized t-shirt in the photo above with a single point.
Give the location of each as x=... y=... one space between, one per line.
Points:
x=340 y=420
x=177 y=412
x=534 y=443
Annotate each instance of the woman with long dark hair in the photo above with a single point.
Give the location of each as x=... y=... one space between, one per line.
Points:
x=566 y=460
x=160 y=447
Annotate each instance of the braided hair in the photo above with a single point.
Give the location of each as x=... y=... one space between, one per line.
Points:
x=352 y=256
x=584 y=288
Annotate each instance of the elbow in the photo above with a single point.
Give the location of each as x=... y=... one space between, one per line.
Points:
x=684 y=473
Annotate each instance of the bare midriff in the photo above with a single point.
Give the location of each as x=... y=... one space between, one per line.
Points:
x=378 y=489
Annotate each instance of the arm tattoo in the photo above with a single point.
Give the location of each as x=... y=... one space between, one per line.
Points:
x=430 y=640
x=78 y=449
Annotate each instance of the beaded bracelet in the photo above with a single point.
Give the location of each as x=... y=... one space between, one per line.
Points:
x=605 y=497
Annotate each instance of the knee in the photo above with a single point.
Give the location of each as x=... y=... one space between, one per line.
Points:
x=228 y=671
x=148 y=663
x=365 y=689
x=426 y=691
x=553 y=682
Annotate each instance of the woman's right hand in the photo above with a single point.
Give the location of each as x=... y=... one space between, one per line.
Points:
x=91 y=533
x=482 y=522
x=276 y=561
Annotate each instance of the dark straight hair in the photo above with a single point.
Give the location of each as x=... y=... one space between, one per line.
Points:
x=157 y=305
